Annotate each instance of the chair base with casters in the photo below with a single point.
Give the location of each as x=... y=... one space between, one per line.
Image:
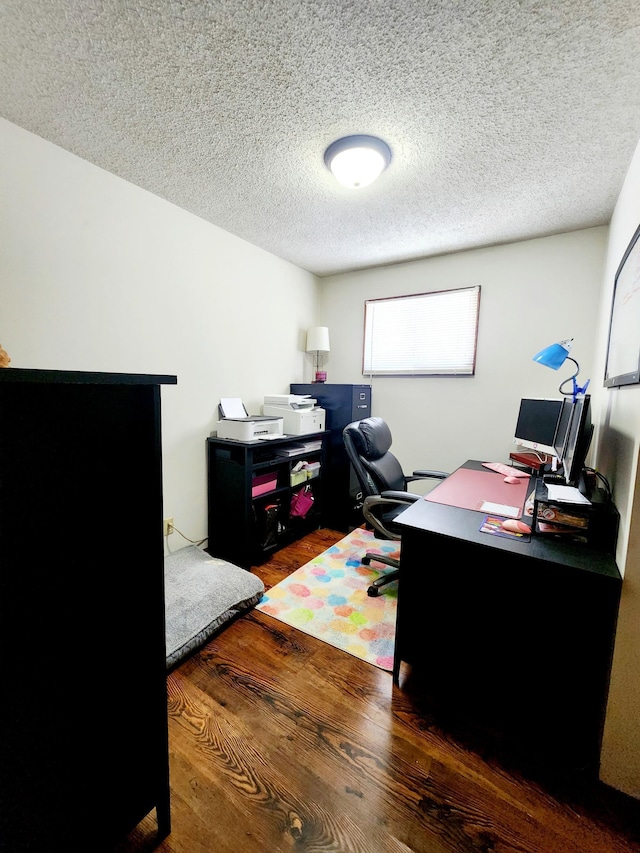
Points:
x=375 y=588
x=374 y=512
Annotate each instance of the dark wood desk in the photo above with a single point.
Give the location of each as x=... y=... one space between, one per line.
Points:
x=517 y=636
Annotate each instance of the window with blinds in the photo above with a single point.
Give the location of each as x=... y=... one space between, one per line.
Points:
x=427 y=334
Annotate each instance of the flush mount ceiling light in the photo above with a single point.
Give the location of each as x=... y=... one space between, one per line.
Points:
x=356 y=161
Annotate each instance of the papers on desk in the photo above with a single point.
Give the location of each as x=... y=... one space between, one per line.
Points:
x=293 y=449
x=566 y=494
x=501 y=509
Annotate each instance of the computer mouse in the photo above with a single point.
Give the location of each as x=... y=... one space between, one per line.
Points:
x=512 y=480
x=515 y=526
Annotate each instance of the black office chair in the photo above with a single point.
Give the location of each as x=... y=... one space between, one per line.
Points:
x=383 y=484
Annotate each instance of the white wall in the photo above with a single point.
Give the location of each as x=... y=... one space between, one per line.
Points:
x=97 y=274
x=618 y=448
x=533 y=293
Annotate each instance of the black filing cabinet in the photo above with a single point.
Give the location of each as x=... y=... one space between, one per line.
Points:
x=343 y=404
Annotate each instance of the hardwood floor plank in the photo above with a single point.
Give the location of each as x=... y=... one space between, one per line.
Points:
x=419 y=796
x=356 y=693
x=280 y=742
x=237 y=792
x=270 y=787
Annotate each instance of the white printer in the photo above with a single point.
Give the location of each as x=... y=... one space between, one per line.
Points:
x=299 y=412
x=236 y=424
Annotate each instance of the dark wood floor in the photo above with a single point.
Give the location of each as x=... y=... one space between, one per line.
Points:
x=279 y=742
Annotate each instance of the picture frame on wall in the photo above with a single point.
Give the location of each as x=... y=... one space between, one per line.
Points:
x=623 y=349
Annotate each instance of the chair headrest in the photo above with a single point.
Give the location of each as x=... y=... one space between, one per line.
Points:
x=375 y=437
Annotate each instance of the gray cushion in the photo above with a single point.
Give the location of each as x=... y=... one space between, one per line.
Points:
x=202 y=593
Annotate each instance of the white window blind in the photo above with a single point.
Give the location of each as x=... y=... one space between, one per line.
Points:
x=431 y=334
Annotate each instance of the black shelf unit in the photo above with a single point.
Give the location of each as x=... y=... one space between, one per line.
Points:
x=343 y=403
x=246 y=524
x=84 y=748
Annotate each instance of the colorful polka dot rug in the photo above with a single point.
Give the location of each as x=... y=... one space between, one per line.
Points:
x=327 y=598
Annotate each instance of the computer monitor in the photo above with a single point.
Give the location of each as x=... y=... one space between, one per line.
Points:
x=578 y=442
x=537 y=423
x=562 y=429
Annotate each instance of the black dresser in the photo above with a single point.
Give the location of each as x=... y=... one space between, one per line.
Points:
x=83 y=718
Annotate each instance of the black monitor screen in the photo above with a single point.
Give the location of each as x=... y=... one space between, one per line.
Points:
x=578 y=440
x=536 y=424
x=562 y=430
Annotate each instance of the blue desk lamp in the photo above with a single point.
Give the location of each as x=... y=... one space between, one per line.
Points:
x=554 y=356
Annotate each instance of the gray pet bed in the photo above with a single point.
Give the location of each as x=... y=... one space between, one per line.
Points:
x=202 y=593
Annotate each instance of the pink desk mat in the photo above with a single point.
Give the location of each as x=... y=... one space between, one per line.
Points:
x=469 y=489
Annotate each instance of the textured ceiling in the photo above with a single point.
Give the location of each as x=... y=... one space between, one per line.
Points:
x=507 y=119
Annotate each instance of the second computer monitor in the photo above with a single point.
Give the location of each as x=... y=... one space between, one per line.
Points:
x=578 y=441
x=537 y=423
x=562 y=429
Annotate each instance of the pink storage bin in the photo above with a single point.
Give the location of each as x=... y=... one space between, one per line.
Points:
x=263 y=483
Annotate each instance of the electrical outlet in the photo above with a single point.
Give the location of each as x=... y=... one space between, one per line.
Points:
x=167 y=527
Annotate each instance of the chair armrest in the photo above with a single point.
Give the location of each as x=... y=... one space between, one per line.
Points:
x=385 y=499
x=396 y=497
x=427 y=475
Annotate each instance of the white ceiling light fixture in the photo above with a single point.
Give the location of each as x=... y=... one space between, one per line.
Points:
x=356 y=161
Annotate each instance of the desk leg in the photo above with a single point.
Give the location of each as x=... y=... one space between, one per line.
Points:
x=396 y=645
